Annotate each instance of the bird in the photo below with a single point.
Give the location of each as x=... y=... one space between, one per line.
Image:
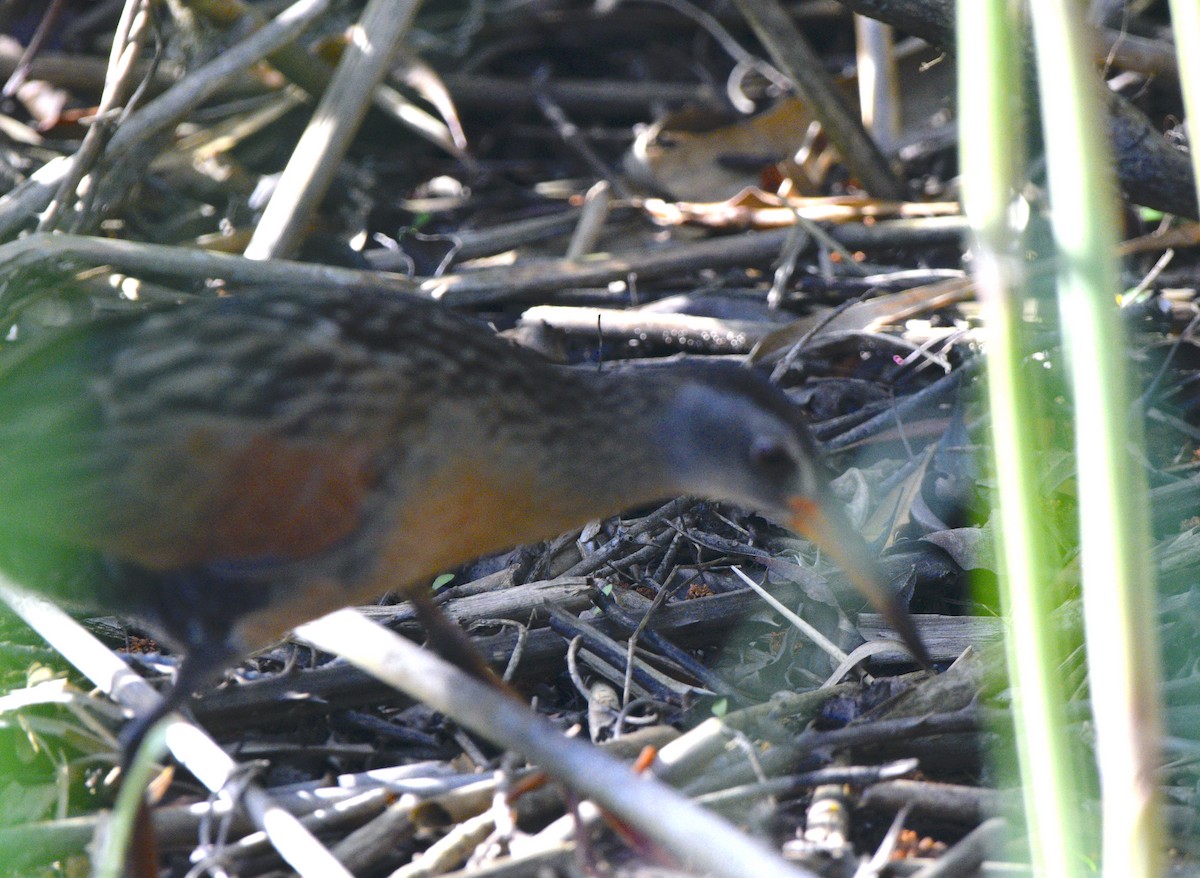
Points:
x=224 y=469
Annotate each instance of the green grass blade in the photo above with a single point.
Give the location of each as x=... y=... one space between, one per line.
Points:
x=989 y=74
x=1118 y=581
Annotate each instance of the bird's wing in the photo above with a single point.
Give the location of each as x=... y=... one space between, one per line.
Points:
x=197 y=435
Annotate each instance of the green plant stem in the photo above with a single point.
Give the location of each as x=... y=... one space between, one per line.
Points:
x=1118 y=581
x=989 y=73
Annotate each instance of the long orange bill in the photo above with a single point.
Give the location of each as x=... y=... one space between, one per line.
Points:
x=829 y=528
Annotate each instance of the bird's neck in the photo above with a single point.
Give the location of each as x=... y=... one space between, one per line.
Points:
x=529 y=466
x=598 y=437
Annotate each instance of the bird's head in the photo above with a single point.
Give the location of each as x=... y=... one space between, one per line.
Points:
x=729 y=434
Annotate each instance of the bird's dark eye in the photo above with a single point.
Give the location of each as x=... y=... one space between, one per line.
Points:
x=772 y=456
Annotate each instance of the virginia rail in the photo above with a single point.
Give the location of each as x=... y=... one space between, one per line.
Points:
x=229 y=468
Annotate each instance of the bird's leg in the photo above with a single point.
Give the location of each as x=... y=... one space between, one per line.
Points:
x=447 y=639
x=197 y=669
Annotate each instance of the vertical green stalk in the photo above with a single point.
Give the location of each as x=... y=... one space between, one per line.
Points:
x=112 y=859
x=1118 y=580
x=991 y=144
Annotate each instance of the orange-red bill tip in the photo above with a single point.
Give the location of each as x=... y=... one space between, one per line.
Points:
x=832 y=532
